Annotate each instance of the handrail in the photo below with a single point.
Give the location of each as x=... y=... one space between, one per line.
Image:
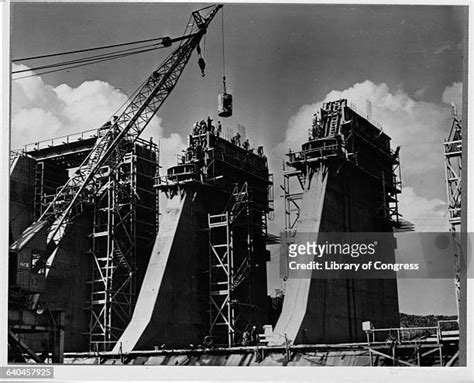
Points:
x=399 y=331
x=73 y=137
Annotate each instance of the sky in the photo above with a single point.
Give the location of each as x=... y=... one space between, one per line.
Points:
x=282 y=62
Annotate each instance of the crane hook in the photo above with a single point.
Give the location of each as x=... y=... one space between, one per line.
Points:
x=201 y=62
x=202 y=66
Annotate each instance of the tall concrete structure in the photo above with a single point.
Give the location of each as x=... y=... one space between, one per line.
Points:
x=343 y=179
x=206 y=279
x=98 y=268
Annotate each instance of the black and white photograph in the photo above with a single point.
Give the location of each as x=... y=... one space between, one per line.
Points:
x=235 y=185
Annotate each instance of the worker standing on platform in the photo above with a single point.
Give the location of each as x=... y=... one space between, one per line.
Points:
x=189 y=154
x=246 y=338
x=209 y=123
x=246 y=144
x=196 y=128
x=236 y=139
x=254 y=335
x=219 y=129
x=202 y=126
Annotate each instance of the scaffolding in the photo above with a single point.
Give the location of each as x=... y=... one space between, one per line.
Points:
x=124 y=225
x=241 y=189
x=453 y=174
x=232 y=259
x=414 y=346
x=341 y=135
x=48 y=178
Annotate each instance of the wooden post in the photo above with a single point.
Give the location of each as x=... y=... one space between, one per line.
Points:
x=287 y=350
x=58 y=337
x=393 y=353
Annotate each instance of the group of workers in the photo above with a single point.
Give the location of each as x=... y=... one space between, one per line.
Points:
x=249 y=338
x=236 y=140
x=203 y=127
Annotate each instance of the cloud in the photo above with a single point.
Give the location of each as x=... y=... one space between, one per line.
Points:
x=427 y=214
x=170 y=145
x=41 y=111
x=453 y=94
x=419 y=127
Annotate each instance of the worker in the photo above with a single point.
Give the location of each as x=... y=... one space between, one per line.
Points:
x=196 y=128
x=254 y=335
x=202 y=126
x=316 y=127
x=219 y=129
x=209 y=123
x=208 y=341
x=236 y=139
x=246 y=338
x=189 y=154
x=260 y=151
x=246 y=144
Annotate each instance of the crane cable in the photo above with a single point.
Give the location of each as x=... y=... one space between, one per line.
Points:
x=82 y=61
x=223 y=53
x=89 y=49
x=60 y=66
x=87 y=60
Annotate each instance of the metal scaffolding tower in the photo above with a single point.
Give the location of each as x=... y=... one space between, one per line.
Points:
x=232 y=258
x=119 y=210
x=453 y=172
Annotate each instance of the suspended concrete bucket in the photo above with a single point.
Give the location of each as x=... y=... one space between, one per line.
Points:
x=224 y=107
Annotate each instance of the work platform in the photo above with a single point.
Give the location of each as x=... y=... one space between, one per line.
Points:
x=403 y=347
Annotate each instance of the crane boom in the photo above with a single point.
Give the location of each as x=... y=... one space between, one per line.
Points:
x=83 y=184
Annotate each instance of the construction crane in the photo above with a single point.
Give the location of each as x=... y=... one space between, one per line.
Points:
x=72 y=198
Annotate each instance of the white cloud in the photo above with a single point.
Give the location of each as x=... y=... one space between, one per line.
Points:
x=427 y=214
x=41 y=111
x=34 y=123
x=453 y=94
x=170 y=145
